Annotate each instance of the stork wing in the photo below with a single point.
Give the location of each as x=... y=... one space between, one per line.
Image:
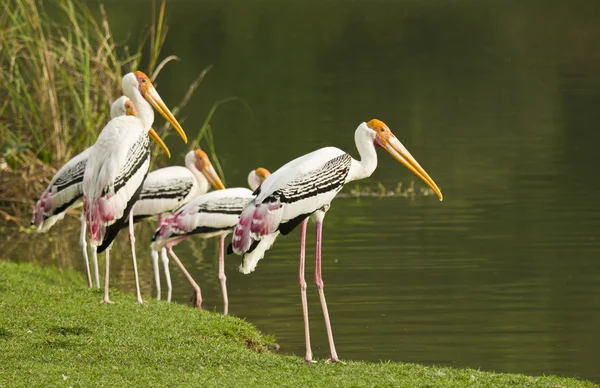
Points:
x=295 y=191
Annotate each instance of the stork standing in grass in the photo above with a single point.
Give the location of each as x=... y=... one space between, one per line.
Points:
x=117 y=167
x=305 y=188
x=167 y=189
x=66 y=189
x=210 y=215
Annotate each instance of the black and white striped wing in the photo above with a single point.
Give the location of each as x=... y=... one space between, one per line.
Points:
x=304 y=195
x=209 y=214
x=164 y=191
x=64 y=191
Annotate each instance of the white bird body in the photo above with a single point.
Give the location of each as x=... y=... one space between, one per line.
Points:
x=63 y=193
x=117 y=167
x=211 y=215
x=66 y=190
x=167 y=189
x=305 y=187
x=66 y=187
x=114 y=174
x=292 y=193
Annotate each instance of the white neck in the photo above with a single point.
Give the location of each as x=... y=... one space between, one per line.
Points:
x=203 y=183
x=363 y=168
x=145 y=112
x=253 y=181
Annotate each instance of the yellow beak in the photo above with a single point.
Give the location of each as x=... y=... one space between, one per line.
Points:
x=211 y=175
x=153 y=98
x=401 y=154
x=154 y=136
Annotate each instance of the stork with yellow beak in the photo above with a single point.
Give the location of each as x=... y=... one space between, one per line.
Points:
x=117 y=166
x=304 y=188
x=66 y=189
x=167 y=189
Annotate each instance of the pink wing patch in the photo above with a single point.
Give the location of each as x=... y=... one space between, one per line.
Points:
x=99 y=213
x=42 y=207
x=255 y=222
x=266 y=219
x=241 y=241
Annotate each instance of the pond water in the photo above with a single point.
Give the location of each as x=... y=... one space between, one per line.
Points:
x=497 y=100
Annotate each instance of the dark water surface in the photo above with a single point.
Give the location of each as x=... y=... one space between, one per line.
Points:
x=499 y=101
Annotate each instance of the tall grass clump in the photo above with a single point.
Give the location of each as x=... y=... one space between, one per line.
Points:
x=60 y=70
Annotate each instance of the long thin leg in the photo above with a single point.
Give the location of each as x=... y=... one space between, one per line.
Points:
x=135 y=271
x=83 y=245
x=106 y=275
x=165 y=261
x=156 y=272
x=198 y=295
x=222 y=277
x=95 y=264
x=319 y=283
x=302 y=283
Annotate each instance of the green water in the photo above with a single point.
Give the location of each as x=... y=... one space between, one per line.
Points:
x=497 y=100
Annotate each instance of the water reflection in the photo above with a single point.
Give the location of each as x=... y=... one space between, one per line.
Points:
x=497 y=101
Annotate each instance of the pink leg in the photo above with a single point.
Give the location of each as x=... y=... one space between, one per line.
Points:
x=302 y=282
x=319 y=283
x=198 y=295
x=222 y=277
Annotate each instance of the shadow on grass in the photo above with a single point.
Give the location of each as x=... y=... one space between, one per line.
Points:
x=76 y=330
x=5 y=334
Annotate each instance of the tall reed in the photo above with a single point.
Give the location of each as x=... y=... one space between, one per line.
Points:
x=58 y=77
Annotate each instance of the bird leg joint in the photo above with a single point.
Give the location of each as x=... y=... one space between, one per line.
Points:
x=302 y=283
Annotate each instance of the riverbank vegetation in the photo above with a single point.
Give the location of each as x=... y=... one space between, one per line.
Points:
x=60 y=69
x=53 y=332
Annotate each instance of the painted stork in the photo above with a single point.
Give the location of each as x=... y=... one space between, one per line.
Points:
x=117 y=167
x=210 y=215
x=305 y=188
x=66 y=189
x=167 y=189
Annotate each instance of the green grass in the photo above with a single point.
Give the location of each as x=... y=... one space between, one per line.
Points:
x=53 y=332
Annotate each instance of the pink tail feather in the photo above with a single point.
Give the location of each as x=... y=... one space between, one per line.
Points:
x=241 y=241
x=99 y=213
x=41 y=207
x=265 y=219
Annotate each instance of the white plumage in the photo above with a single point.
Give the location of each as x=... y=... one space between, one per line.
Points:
x=305 y=187
x=166 y=189
x=65 y=190
x=210 y=215
x=117 y=167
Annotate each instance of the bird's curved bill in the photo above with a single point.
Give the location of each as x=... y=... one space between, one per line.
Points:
x=211 y=175
x=154 y=136
x=153 y=98
x=401 y=154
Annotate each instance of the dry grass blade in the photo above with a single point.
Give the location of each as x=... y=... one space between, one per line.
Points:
x=58 y=76
x=161 y=65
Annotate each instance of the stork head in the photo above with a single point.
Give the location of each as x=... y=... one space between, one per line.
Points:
x=120 y=107
x=203 y=164
x=384 y=138
x=129 y=108
x=257 y=177
x=124 y=106
x=139 y=82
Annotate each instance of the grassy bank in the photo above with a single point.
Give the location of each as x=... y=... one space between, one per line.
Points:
x=53 y=332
